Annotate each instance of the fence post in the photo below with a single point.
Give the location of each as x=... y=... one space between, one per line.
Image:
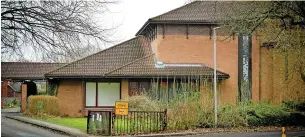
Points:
x=165 y=120
x=88 y=117
x=112 y=118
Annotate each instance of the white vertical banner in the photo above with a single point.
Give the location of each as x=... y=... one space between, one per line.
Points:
x=97 y=116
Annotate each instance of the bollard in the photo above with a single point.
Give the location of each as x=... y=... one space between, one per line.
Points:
x=283 y=132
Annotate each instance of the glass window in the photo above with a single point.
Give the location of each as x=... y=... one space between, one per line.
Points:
x=102 y=94
x=90 y=94
x=138 y=88
x=108 y=93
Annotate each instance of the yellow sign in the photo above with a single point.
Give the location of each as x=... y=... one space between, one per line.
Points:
x=121 y=108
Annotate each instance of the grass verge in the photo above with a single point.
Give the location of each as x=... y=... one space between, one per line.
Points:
x=78 y=123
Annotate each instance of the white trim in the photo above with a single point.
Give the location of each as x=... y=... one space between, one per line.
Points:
x=159 y=64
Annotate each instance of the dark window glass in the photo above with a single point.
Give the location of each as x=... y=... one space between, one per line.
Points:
x=138 y=88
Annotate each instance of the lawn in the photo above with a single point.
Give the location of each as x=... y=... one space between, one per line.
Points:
x=78 y=123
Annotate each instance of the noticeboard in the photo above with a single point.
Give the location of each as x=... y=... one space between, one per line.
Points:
x=121 y=108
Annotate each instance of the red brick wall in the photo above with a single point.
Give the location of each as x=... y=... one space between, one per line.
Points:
x=268 y=74
x=71 y=98
x=175 y=47
x=23 y=97
x=124 y=89
x=4 y=88
x=71 y=95
x=275 y=88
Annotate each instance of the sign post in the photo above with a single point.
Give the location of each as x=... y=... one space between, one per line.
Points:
x=121 y=108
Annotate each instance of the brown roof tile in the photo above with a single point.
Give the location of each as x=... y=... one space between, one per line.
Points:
x=131 y=58
x=198 y=11
x=208 y=11
x=26 y=70
x=145 y=67
x=98 y=64
x=201 y=12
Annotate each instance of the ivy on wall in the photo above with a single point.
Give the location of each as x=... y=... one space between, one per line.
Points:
x=53 y=88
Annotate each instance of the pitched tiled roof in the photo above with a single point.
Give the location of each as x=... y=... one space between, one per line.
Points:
x=198 y=11
x=131 y=58
x=98 y=64
x=26 y=70
x=145 y=67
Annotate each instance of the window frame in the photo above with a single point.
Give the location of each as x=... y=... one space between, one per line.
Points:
x=96 y=93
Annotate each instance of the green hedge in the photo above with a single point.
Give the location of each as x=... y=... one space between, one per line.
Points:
x=42 y=104
x=258 y=114
x=264 y=114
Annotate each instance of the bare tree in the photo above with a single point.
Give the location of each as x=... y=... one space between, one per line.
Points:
x=53 y=28
x=279 y=22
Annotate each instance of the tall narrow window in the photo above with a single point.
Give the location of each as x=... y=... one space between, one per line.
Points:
x=90 y=94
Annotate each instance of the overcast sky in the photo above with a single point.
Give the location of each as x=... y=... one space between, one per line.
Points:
x=129 y=16
x=132 y=14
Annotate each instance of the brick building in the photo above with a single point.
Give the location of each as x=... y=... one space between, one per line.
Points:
x=175 y=45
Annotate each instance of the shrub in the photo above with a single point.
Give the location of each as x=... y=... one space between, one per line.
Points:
x=292 y=105
x=187 y=111
x=231 y=116
x=43 y=105
x=264 y=114
x=183 y=116
x=141 y=102
x=11 y=102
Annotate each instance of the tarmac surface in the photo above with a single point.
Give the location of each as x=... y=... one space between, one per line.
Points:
x=18 y=126
x=255 y=134
x=13 y=128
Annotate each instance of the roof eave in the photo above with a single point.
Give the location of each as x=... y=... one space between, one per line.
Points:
x=166 y=76
x=150 y=21
x=22 y=78
x=143 y=27
x=134 y=76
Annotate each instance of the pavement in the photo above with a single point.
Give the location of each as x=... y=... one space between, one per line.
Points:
x=254 y=134
x=13 y=128
x=77 y=133
x=58 y=128
x=227 y=134
x=11 y=110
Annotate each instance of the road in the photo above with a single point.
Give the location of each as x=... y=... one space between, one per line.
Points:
x=255 y=134
x=13 y=128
